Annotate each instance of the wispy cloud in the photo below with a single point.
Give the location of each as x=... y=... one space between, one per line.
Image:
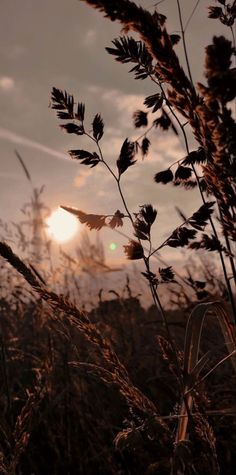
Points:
x=11 y=176
x=125 y=104
x=165 y=147
x=7 y=83
x=90 y=37
x=81 y=179
x=10 y=136
x=16 y=51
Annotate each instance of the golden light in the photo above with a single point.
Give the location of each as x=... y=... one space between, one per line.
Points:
x=61 y=225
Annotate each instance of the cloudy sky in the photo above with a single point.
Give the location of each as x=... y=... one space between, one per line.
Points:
x=62 y=43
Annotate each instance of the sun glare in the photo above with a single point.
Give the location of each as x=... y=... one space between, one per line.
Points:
x=61 y=225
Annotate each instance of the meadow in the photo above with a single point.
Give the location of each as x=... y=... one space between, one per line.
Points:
x=116 y=388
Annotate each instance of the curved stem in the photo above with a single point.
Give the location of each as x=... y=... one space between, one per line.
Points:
x=234 y=45
x=191 y=15
x=145 y=133
x=184 y=42
x=155 y=296
x=229 y=250
x=233 y=38
x=124 y=202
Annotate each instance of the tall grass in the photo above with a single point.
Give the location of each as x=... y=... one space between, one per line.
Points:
x=151 y=435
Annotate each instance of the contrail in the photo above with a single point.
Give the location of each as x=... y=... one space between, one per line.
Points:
x=18 y=139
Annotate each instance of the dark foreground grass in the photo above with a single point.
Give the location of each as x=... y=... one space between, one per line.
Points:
x=65 y=408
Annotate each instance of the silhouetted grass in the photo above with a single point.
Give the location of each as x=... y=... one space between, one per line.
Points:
x=122 y=389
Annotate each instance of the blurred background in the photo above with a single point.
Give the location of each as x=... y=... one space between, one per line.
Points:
x=62 y=44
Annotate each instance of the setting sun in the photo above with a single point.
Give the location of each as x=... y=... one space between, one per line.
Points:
x=61 y=225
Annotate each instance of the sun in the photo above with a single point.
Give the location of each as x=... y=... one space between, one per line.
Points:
x=61 y=225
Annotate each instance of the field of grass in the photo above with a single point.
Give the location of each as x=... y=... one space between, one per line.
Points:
x=98 y=394
x=116 y=388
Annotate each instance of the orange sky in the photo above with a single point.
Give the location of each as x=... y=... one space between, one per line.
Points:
x=61 y=44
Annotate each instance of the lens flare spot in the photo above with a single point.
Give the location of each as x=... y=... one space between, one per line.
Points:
x=112 y=246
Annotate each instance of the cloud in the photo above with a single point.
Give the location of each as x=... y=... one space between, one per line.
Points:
x=18 y=139
x=81 y=179
x=8 y=175
x=102 y=193
x=16 y=51
x=7 y=84
x=166 y=147
x=90 y=37
x=111 y=146
x=124 y=104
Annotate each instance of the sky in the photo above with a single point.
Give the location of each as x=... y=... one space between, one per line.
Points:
x=62 y=43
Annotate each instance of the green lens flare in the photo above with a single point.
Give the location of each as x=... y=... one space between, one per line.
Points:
x=112 y=246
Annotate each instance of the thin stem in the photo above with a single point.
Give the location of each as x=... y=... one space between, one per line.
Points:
x=166 y=240
x=6 y=379
x=170 y=339
x=117 y=182
x=176 y=161
x=229 y=250
x=101 y=156
x=186 y=398
x=155 y=296
x=124 y=202
x=233 y=37
x=145 y=133
x=161 y=246
x=211 y=371
x=154 y=253
x=217 y=412
x=234 y=45
x=191 y=15
x=184 y=42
